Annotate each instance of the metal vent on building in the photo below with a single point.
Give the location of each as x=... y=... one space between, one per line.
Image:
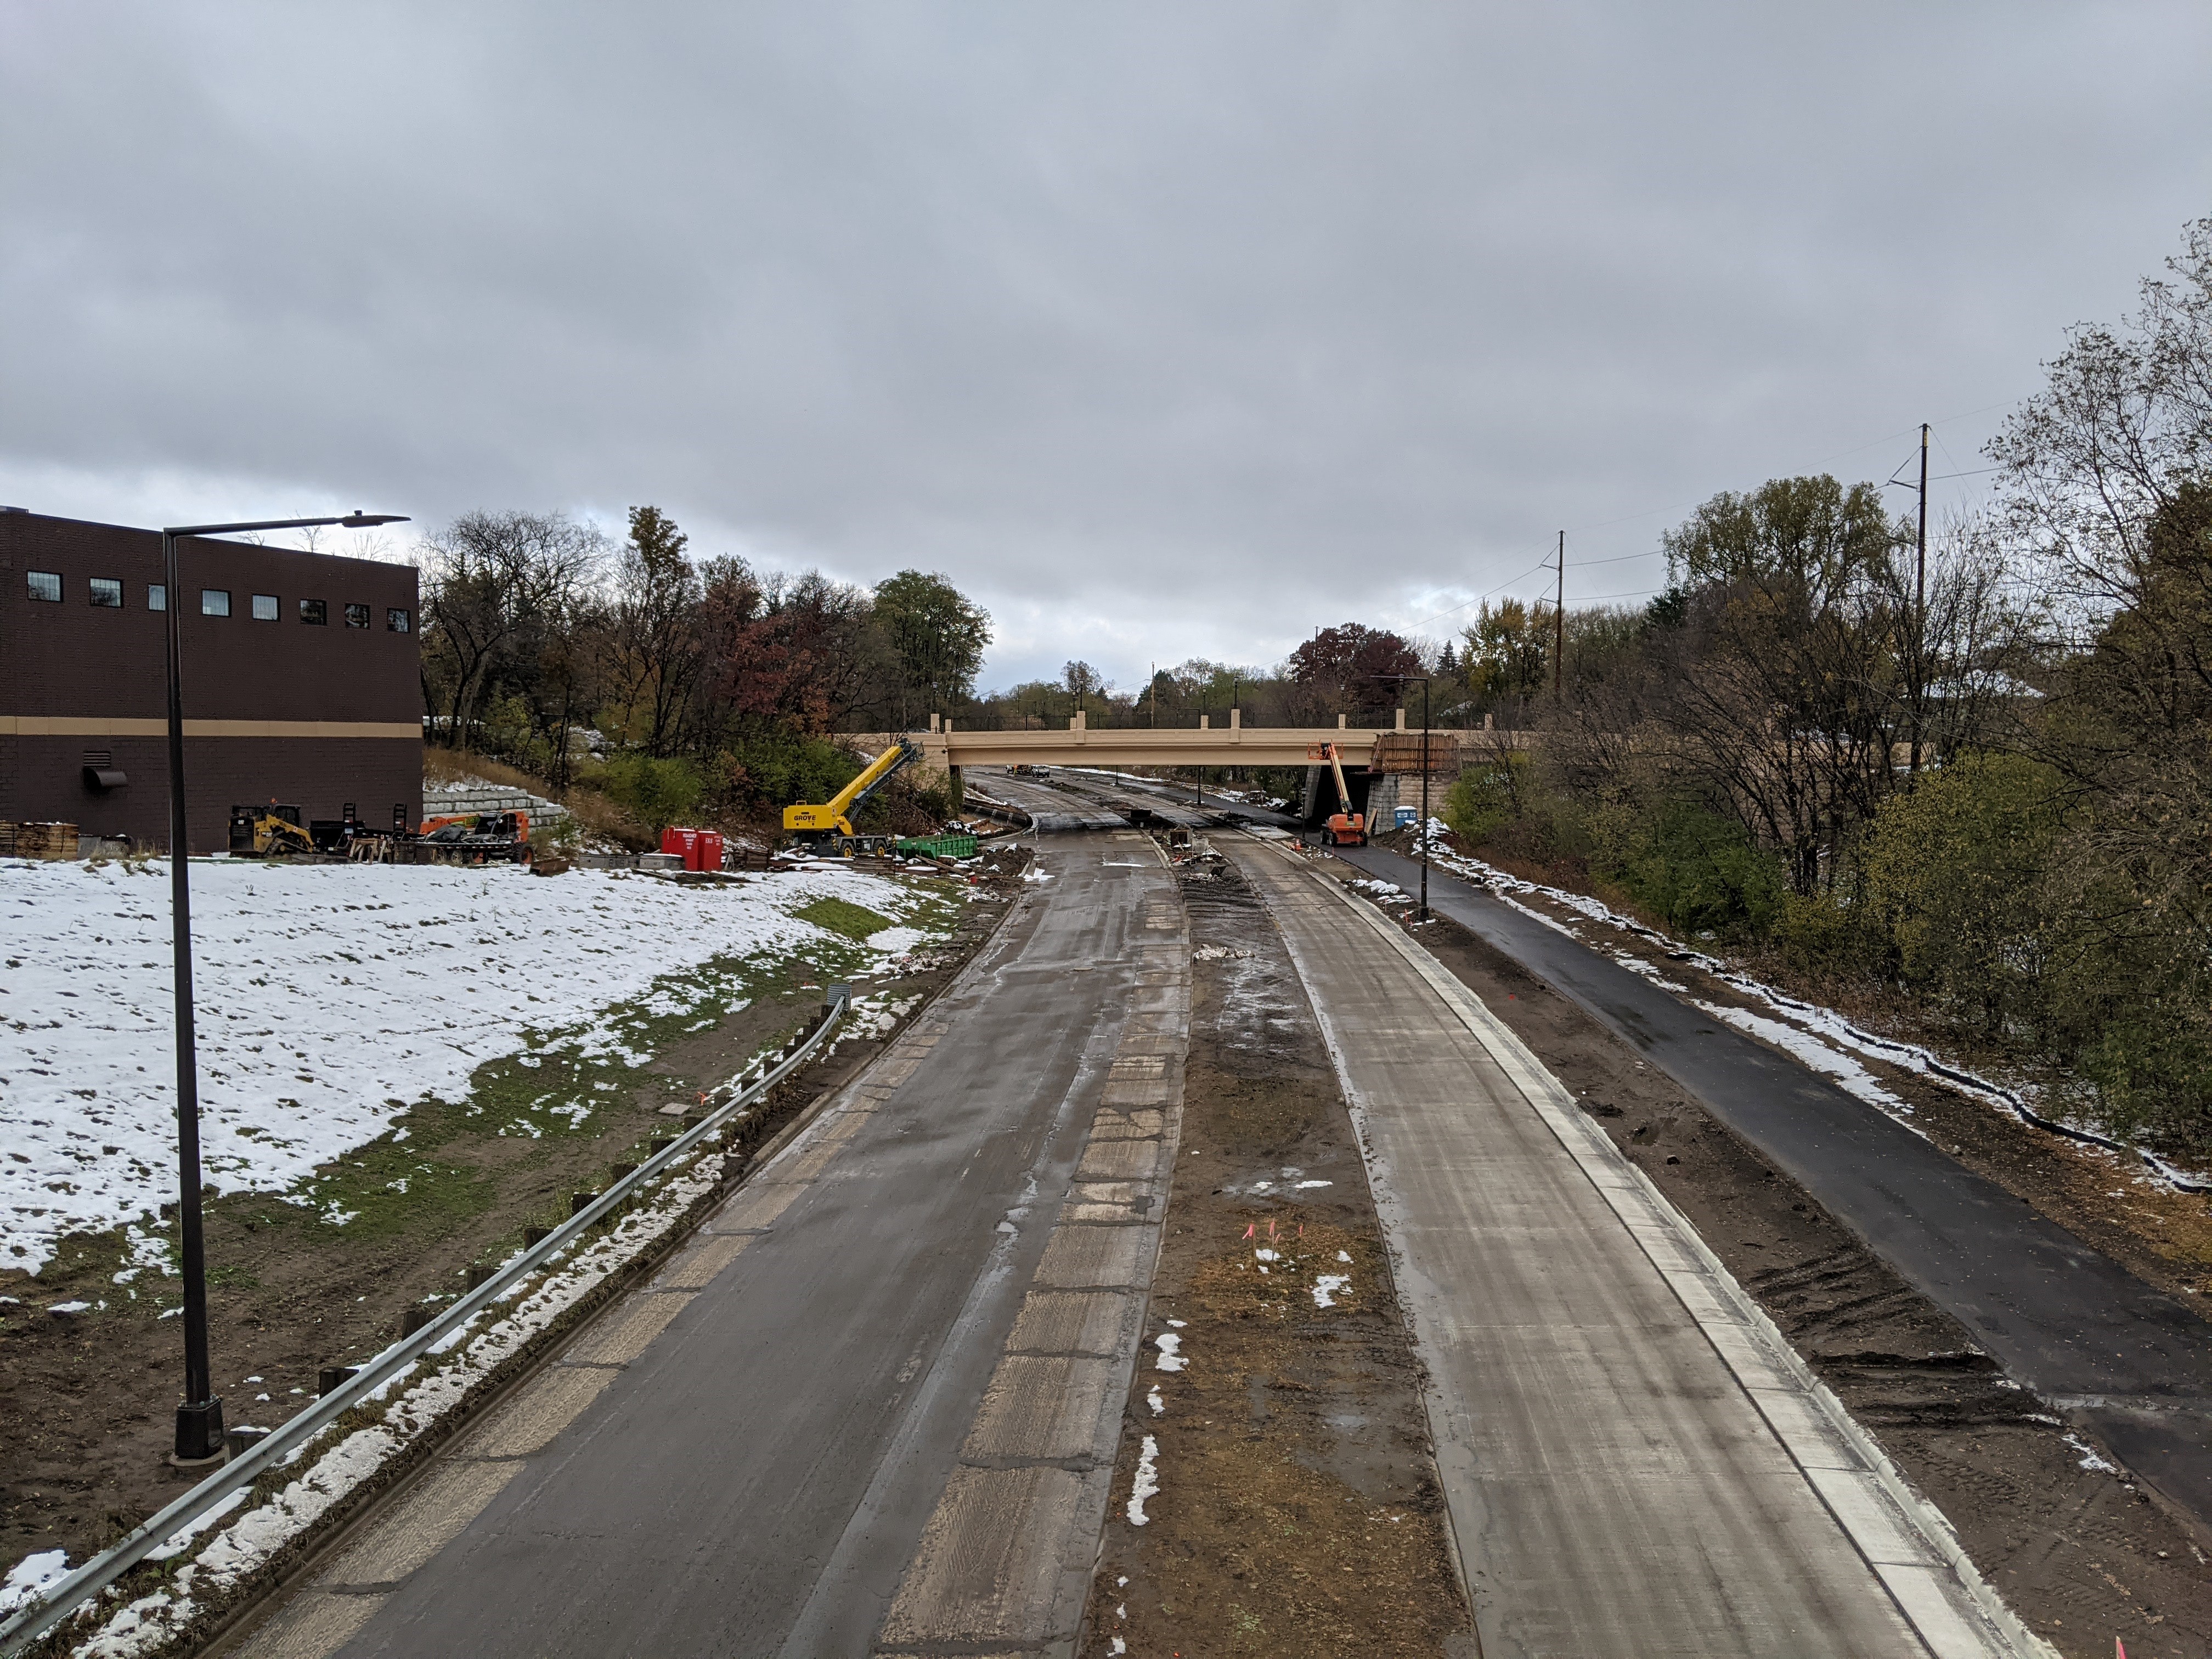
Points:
x=100 y=757
x=99 y=773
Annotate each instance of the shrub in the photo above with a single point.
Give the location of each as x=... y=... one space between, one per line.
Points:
x=1486 y=797
x=777 y=768
x=1955 y=887
x=659 y=792
x=1696 y=869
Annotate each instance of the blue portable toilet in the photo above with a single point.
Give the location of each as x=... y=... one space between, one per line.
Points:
x=1407 y=817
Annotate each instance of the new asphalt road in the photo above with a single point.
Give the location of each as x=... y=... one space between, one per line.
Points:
x=873 y=1408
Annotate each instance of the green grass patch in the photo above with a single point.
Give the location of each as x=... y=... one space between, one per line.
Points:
x=838 y=915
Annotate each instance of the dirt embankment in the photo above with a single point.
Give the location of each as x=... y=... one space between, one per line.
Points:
x=292 y=1289
x=1297 y=1510
x=2078 y=1551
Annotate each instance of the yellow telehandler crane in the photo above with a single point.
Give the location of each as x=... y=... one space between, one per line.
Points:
x=827 y=829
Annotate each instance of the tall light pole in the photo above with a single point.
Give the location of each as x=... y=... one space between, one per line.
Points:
x=1424 y=679
x=199 y=1415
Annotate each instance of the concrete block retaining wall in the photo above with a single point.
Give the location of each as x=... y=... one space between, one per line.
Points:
x=438 y=799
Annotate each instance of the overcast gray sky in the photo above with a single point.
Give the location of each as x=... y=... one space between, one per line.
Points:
x=1163 y=330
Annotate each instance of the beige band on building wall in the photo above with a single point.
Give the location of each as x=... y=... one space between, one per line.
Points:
x=44 y=726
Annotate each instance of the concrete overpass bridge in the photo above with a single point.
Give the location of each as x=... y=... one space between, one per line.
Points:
x=1374 y=758
x=949 y=748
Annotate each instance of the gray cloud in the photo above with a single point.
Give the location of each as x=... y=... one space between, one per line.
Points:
x=1165 y=329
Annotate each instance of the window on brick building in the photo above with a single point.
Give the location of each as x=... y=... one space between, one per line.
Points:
x=264 y=607
x=157 y=597
x=316 y=613
x=398 y=622
x=47 y=585
x=214 y=602
x=356 y=616
x=106 y=593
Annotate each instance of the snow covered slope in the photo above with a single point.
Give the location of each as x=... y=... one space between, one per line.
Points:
x=328 y=999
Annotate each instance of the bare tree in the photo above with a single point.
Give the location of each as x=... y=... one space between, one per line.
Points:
x=489 y=578
x=2126 y=419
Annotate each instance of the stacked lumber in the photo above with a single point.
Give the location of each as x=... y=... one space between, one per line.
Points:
x=37 y=840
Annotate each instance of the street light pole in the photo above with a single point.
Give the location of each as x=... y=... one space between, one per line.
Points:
x=1405 y=679
x=1424 y=801
x=199 y=1414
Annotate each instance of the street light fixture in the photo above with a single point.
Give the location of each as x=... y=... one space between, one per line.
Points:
x=199 y=1416
x=1424 y=679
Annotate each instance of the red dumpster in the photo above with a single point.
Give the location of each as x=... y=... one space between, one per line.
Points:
x=684 y=843
x=710 y=850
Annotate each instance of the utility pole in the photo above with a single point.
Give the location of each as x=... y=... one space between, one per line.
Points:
x=1920 y=604
x=1559 y=626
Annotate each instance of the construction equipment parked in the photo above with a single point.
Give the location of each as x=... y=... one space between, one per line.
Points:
x=1345 y=828
x=476 y=838
x=826 y=829
x=272 y=831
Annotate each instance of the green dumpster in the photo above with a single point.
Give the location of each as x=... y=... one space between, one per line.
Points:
x=940 y=847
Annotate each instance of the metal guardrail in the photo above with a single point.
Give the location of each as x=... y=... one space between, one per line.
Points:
x=273 y=1450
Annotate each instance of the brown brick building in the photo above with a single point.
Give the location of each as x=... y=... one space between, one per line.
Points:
x=301 y=678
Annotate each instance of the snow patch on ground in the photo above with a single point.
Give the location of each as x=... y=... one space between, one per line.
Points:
x=1326 y=1287
x=30 y=1575
x=1636 y=964
x=1146 y=1486
x=1826 y=1024
x=325 y=993
x=2090 y=1459
x=1170 y=1357
x=1810 y=1051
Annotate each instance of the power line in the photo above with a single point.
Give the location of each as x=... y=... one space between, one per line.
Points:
x=1650 y=553
x=1595 y=599
x=1542 y=564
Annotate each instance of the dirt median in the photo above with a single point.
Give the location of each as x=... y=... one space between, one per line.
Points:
x=1277 y=1409
x=2081 y=1553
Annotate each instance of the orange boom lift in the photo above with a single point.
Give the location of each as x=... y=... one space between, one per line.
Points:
x=1345 y=828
